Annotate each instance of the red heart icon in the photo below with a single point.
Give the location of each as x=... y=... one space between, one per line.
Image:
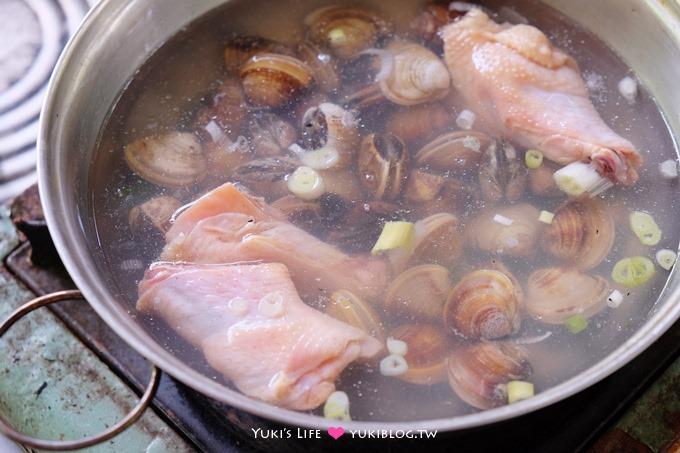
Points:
x=335 y=433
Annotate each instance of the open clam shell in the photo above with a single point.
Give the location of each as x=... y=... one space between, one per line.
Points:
x=484 y=304
x=556 y=294
x=479 y=373
x=172 y=160
x=581 y=233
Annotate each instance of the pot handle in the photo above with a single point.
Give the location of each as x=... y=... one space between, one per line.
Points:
x=55 y=445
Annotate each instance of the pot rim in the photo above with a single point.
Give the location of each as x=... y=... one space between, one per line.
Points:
x=65 y=235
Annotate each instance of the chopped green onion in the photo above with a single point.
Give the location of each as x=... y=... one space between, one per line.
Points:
x=576 y=323
x=578 y=178
x=519 y=390
x=466 y=119
x=337 y=407
x=505 y=221
x=666 y=258
x=306 y=183
x=393 y=365
x=337 y=35
x=397 y=347
x=614 y=299
x=546 y=217
x=533 y=158
x=634 y=271
x=644 y=227
x=395 y=235
x=321 y=159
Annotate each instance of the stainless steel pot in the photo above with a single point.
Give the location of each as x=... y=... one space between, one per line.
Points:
x=119 y=35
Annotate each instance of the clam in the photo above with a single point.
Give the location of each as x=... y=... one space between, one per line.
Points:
x=382 y=165
x=419 y=292
x=223 y=156
x=298 y=211
x=266 y=176
x=509 y=230
x=172 y=160
x=418 y=123
x=408 y=74
x=484 y=304
x=226 y=113
x=431 y=18
x=479 y=373
x=439 y=240
x=342 y=182
x=153 y=216
x=273 y=80
x=542 y=183
x=426 y=355
x=581 y=233
x=423 y=186
x=454 y=151
x=417 y=75
x=322 y=64
x=349 y=308
x=556 y=294
x=239 y=49
x=363 y=225
x=345 y=30
x=331 y=127
x=502 y=175
x=433 y=194
x=270 y=134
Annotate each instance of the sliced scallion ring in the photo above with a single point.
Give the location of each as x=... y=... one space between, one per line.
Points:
x=306 y=183
x=576 y=323
x=634 y=271
x=533 y=158
x=519 y=390
x=337 y=407
x=644 y=227
x=666 y=258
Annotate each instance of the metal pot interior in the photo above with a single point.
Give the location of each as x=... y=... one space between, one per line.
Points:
x=120 y=35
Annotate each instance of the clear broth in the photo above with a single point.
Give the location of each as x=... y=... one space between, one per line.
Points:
x=178 y=78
